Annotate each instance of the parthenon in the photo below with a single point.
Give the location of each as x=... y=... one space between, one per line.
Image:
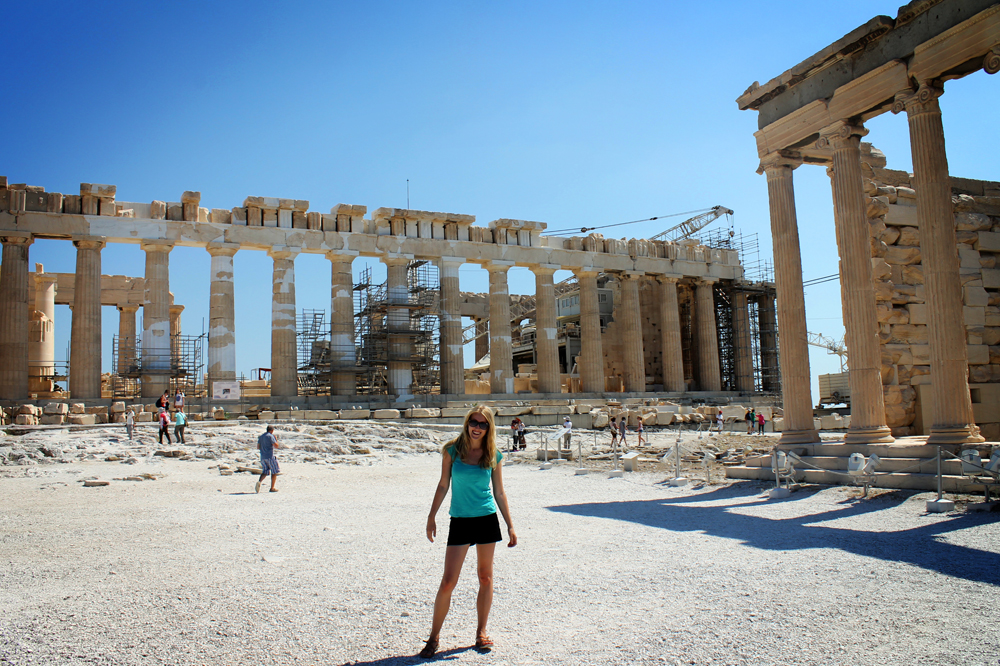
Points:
x=649 y=275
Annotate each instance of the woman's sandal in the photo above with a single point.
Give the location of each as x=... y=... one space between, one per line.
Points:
x=430 y=649
x=484 y=643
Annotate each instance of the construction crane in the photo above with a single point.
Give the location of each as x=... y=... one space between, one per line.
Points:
x=692 y=225
x=829 y=344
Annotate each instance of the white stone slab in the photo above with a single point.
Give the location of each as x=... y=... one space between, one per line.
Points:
x=350 y=414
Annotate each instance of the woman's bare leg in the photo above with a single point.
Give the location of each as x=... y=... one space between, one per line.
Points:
x=484 y=555
x=454 y=557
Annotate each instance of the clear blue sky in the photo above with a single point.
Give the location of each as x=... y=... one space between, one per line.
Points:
x=571 y=113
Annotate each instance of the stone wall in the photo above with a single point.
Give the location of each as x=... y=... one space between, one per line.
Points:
x=899 y=293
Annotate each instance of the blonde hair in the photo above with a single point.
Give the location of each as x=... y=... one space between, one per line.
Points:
x=463 y=443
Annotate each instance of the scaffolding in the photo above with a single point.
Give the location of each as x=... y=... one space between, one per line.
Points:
x=747 y=247
x=183 y=362
x=760 y=344
x=312 y=346
x=398 y=330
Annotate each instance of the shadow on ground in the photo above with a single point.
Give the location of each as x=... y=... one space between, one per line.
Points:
x=443 y=655
x=920 y=546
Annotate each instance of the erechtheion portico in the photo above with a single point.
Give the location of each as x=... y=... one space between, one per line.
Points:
x=814 y=114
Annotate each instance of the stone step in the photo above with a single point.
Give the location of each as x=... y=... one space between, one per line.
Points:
x=905 y=481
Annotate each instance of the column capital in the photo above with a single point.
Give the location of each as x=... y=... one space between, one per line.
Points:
x=588 y=271
x=498 y=266
x=991 y=61
x=342 y=256
x=222 y=249
x=176 y=309
x=921 y=100
x=90 y=243
x=780 y=159
x=544 y=269
x=390 y=259
x=630 y=275
x=279 y=252
x=17 y=239
x=442 y=261
x=41 y=278
x=128 y=308
x=667 y=279
x=156 y=246
x=707 y=280
x=840 y=132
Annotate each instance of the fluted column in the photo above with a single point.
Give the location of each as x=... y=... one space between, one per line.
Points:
x=670 y=335
x=221 y=315
x=591 y=364
x=85 y=334
x=546 y=342
x=501 y=354
x=343 y=357
x=42 y=344
x=950 y=402
x=175 y=332
x=284 y=361
x=708 y=337
x=482 y=338
x=795 y=383
x=126 y=337
x=634 y=361
x=856 y=286
x=156 y=320
x=741 y=340
x=452 y=358
x=14 y=318
x=398 y=324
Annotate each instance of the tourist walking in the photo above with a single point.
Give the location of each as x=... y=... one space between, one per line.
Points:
x=760 y=423
x=266 y=444
x=470 y=463
x=179 y=401
x=163 y=402
x=719 y=419
x=522 y=431
x=750 y=420
x=568 y=425
x=638 y=433
x=179 y=422
x=130 y=422
x=164 y=419
x=614 y=432
x=622 y=429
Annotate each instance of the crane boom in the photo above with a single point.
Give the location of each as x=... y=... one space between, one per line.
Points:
x=692 y=225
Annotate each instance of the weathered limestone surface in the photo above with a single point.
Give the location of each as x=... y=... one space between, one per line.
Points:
x=14 y=317
x=708 y=340
x=501 y=365
x=156 y=320
x=591 y=354
x=221 y=315
x=546 y=345
x=284 y=370
x=85 y=340
x=670 y=328
x=342 y=351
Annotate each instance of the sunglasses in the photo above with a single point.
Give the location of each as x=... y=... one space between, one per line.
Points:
x=476 y=423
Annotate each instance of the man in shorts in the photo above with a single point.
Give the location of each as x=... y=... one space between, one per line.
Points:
x=266 y=444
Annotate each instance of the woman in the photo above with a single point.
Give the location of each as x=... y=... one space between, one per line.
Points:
x=469 y=464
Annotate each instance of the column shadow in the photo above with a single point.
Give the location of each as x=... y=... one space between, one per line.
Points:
x=920 y=546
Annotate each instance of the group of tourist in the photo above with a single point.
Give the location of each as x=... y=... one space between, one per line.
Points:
x=754 y=418
x=163 y=417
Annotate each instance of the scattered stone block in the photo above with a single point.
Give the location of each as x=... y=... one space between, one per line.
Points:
x=82 y=419
x=452 y=412
x=26 y=419
x=144 y=417
x=386 y=414
x=351 y=414
x=630 y=461
x=219 y=414
x=98 y=410
x=95 y=483
x=510 y=411
x=52 y=419
x=29 y=410
x=423 y=413
x=266 y=415
x=118 y=407
x=54 y=408
x=318 y=414
x=77 y=408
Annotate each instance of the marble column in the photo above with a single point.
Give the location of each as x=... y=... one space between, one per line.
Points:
x=591 y=363
x=452 y=358
x=795 y=382
x=126 y=337
x=857 y=289
x=768 y=333
x=501 y=353
x=85 y=334
x=343 y=357
x=482 y=338
x=175 y=332
x=284 y=359
x=950 y=402
x=670 y=335
x=631 y=319
x=741 y=340
x=14 y=317
x=221 y=315
x=42 y=344
x=399 y=329
x=709 y=372
x=546 y=342
x=156 y=320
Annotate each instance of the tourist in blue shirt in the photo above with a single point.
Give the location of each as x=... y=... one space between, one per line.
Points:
x=470 y=463
x=267 y=443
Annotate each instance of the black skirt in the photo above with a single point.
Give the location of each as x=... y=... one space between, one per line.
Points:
x=472 y=531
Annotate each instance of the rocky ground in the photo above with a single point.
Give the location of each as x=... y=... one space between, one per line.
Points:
x=190 y=566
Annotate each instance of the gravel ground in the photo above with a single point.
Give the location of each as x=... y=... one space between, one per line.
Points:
x=195 y=568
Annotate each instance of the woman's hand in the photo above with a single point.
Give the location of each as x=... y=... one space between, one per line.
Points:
x=431 y=528
x=513 y=538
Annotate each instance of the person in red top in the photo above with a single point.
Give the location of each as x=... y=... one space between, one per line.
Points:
x=760 y=423
x=164 y=426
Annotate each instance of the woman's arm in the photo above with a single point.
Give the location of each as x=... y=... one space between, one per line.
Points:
x=439 y=494
x=501 y=499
